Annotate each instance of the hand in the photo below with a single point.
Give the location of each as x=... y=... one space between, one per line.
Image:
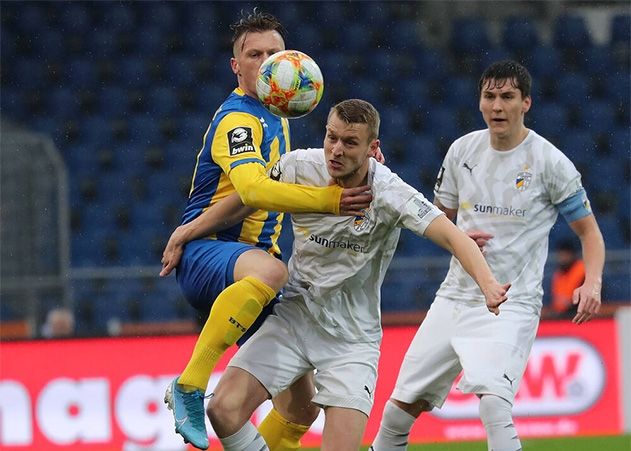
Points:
x=587 y=296
x=495 y=295
x=172 y=252
x=480 y=238
x=354 y=200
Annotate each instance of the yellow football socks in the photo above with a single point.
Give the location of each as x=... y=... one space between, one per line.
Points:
x=281 y=434
x=232 y=313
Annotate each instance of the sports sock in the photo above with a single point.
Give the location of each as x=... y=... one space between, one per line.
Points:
x=394 y=429
x=497 y=417
x=232 y=313
x=245 y=439
x=281 y=434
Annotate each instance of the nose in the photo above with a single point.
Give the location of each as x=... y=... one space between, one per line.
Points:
x=337 y=149
x=497 y=104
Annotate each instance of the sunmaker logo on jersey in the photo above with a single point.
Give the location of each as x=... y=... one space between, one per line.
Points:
x=498 y=210
x=338 y=244
x=240 y=141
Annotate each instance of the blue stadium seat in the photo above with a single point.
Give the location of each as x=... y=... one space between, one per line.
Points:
x=150 y=41
x=618 y=88
x=162 y=15
x=570 y=32
x=544 y=61
x=620 y=142
x=162 y=101
x=596 y=61
x=115 y=16
x=75 y=17
x=579 y=146
x=132 y=71
x=621 y=29
x=611 y=228
x=573 y=89
x=82 y=73
x=181 y=70
x=550 y=120
x=597 y=116
x=519 y=34
x=469 y=35
x=112 y=101
x=462 y=93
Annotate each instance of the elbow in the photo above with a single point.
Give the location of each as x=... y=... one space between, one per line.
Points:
x=248 y=195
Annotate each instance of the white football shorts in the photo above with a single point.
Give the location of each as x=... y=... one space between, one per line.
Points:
x=492 y=351
x=288 y=345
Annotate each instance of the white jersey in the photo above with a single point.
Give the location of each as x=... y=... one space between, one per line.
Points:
x=514 y=196
x=338 y=263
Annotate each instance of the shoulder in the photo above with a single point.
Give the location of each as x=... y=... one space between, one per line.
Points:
x=311 y=155
x=544 y=150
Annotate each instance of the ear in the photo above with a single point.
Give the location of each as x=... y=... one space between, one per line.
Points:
x=527 y=103
x=372 y=148
x=234 y=65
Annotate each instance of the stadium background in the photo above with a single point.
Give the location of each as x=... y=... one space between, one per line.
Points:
x=104 y=104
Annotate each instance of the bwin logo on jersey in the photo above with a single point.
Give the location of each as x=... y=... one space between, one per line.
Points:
x=240 y=141
x=361 y=223
x=523 y=180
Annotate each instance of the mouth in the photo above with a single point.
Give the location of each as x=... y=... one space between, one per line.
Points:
x=335 y=164
x=498 y=120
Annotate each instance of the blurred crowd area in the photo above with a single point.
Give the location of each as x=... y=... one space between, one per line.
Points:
x=125 y=91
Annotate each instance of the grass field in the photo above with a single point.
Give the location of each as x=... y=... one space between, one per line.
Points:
x=615 y=443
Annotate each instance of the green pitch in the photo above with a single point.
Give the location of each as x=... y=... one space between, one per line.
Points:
x=615 y=443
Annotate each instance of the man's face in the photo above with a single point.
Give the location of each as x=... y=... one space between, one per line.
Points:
x=503 y=108
x=347 y=148
x=250 y=50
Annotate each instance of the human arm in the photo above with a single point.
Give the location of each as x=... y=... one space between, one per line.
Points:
x=588 y=295
x=444 y=233
x=480 y=237
x=222 y=215
x=236 y=148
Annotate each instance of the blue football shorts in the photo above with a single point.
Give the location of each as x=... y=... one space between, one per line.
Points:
x=206 y=269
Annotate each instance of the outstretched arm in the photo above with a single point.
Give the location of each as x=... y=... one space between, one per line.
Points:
x=444 y=233
x=587 y=296
x=222 y=215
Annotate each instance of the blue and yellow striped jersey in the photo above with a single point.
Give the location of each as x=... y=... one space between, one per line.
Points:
x=242 y=131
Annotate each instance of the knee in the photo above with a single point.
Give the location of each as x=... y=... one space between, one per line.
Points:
x=223 y=412
x=415 y=408
x=275 y=274
x=495 y=410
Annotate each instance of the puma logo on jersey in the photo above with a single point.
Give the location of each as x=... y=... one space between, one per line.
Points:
x=368 y=390
x=470 y=168
x=505 y=376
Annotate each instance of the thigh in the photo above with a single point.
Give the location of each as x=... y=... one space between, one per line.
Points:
x=430 y=364
x=494 y=350
x=294 y=403
x=346 y=372
x=343 y=429
x=273 y=355
x=207 y=268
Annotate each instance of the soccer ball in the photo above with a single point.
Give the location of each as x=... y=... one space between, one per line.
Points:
x=289 y=84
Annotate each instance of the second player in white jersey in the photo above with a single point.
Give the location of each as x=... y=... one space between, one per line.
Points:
x=338 y=263
x=513 y=195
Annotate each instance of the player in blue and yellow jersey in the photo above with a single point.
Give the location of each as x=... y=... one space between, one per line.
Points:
x=238 y=271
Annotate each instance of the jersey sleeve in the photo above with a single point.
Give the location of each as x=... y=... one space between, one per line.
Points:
x=411 y=208
x=236 y=149
x=561 y=178
x=446 y=187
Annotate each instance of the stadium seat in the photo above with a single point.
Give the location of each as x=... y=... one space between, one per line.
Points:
x=573 y=89
x=550 y=120
x=544 y=62
x=570 y=32
x=469 y=35
x=620 y=29
x=520 y=34
x=598 y=116
x=579 y=146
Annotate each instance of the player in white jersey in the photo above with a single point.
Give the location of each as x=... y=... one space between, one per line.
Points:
x=329 y=317
x=505 y=186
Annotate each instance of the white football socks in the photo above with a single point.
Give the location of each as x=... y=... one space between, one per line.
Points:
x=394 y=430
x=496 y=415
x=245 y=439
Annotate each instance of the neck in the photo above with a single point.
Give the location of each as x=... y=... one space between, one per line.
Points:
x=357 y=178
x=509 y=142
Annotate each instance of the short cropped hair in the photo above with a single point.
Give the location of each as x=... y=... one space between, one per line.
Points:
x=255 y=21
x=501 y=72
x=357 y=111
